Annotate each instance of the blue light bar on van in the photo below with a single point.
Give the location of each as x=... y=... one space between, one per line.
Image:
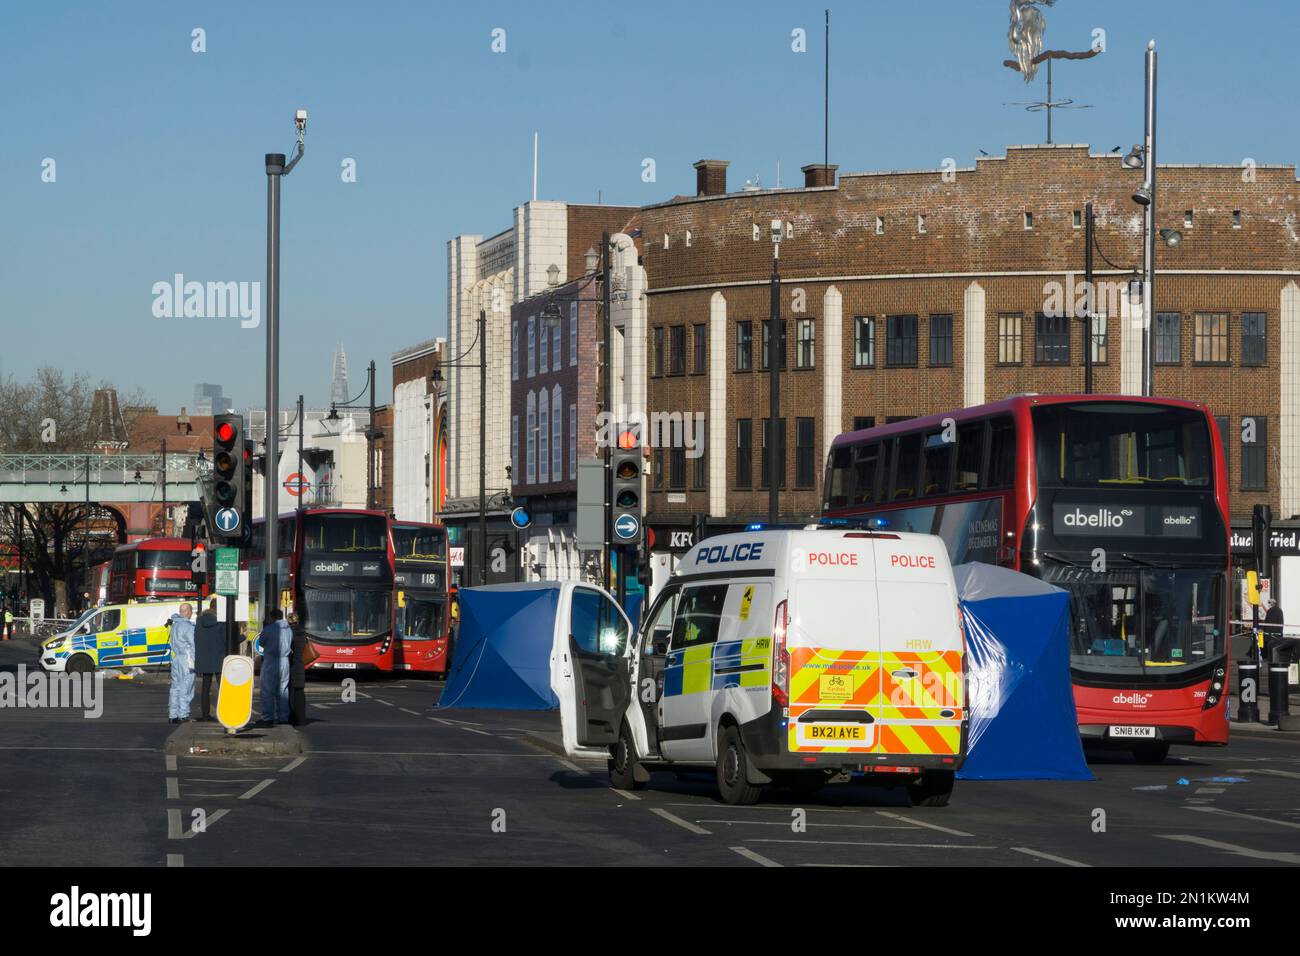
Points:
x=756 y=526
x=854 y=522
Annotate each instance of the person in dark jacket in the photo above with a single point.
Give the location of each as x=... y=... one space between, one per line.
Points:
x=297 y=673
x=209 y=653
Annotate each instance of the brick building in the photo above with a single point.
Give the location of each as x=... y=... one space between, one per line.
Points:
x=910 y=293
x=417 y=471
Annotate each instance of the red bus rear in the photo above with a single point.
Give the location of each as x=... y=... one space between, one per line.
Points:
x=421 y=597
x=1121 y=501
x=156 y=569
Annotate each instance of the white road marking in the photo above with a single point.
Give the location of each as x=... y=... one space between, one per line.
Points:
x=1247 y=816
x=1209 y=789
x=572 y=766
x=674 y=818
x=907 y=846
x=258 y=789
x=1048 y=856
x=173 y=789
x=293 y=764
x=1275 y=773
x=171 y=762
x=923 y=823
x=758 y=858
x=386 y=703
x=190 y=834
x=1230 y=848
x=625 y=793
x=787 y=823
x=407 y=710
x=175 y=859
x=482 y=732
x=174 y=824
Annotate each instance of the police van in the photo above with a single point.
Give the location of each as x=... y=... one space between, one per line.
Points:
x=115 y=635
x=788 y=658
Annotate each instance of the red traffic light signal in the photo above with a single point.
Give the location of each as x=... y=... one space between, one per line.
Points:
x=225 y=433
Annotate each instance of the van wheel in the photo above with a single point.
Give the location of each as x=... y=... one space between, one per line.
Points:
x=623 y=763
x=81 y=664
x=934 y=789
x=736 y=790
x=1152 y=753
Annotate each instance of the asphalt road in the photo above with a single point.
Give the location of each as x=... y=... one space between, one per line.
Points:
x=390 y=780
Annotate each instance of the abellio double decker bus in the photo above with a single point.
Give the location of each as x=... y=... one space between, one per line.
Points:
x=155 y=569
x=336 y=572
x=420 y=583
x=1121 y=501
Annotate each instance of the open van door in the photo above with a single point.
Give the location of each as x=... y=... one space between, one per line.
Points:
x=595 y=664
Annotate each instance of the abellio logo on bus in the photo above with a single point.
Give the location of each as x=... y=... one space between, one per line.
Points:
x=1098 y=519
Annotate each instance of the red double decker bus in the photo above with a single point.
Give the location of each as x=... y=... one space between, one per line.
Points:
x=420 y=584
x=1121 y=501
x=335 y=569
x=156 y=569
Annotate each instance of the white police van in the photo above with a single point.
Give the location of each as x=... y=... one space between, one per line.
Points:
x=789 y=658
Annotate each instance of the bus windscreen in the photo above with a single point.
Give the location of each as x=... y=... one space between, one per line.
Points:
x=1115 y=444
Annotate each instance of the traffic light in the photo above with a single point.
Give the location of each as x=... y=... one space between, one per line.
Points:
x=229 y=505
x=628 y=508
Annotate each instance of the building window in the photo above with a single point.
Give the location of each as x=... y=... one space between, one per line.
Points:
x=765 y=479
x=767 y=336
x=557 y=435
x=543 y=437
x=1098 y=339
x=1051 y=339
x=544 y=352
x=900 y=340
x=1169 y=335
x=530 y=473
x=557 y=349
x=1236 y=219
x=1224 y=424
x=1210 y=338
x=1077 y=219
x=659 y=350
x=863 y=421
x=805 y=343
x=744 y=453
x=573 y=333
x=700 y=466
x=677 y=467
x=941 y=339
x=514 y=446
x=573 y=442
x=1187 y=219
x=864 y=341
x=880 y=226
x=678 y=353
x=1254 y=453
x=805 y=461
x=1009 y=335
x=514 y=351
x=701 y=345
x=744 y=346
x=659 y=468
x=920 y=224
x=1253 y=338
x=532 y=353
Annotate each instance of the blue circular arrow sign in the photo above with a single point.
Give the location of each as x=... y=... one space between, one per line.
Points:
x=627 y=527
x=520 y=518
x=227 y=520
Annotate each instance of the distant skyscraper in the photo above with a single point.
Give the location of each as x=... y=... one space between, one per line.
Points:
x=210 y=399
x=339 y=391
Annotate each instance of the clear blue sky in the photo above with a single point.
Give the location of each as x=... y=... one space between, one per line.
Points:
x=159 y=149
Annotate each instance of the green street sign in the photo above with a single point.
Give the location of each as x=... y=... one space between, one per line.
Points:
x=227 y=582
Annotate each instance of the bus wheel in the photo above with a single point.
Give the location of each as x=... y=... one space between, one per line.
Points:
x=1152 y=753
x=623 y=763
x=81 y=664
x=934 y=789
x=732 y=761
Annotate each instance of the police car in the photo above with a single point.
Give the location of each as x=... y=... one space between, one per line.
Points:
x=789 y=658
x=115 y=635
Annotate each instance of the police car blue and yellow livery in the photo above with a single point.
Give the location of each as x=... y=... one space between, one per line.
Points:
x=116 y=635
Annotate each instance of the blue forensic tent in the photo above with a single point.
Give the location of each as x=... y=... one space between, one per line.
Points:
x=1022 y=720
x=503 y=648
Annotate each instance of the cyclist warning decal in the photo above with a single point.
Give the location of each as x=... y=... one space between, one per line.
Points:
x=745 y=601
x=835 y=686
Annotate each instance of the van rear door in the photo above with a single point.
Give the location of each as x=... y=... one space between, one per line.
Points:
x=833 y=640
x=922 y=691
x=599 y=664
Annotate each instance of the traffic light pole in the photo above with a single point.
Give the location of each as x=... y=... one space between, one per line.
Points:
x=607 y=562
x=270 y=511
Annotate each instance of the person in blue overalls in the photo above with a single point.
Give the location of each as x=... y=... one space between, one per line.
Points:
x=275 y=638
x=182 y=646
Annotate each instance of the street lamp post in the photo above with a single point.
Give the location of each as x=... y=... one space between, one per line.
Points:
x=333 y=416
x=775 y=353
x=1091 y=298
x=276 y=169
x=1149 y=251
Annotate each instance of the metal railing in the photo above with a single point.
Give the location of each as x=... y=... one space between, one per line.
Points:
x=100 y=469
